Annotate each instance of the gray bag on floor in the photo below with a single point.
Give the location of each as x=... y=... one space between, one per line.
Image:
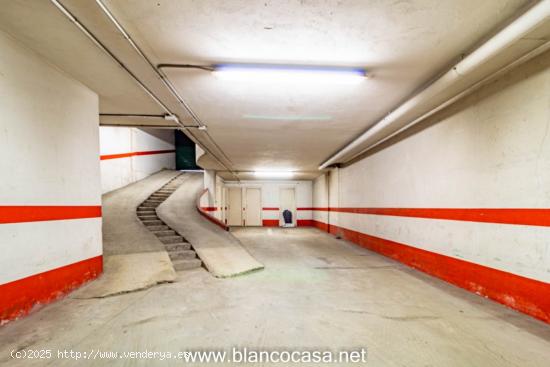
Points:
x=287 y=217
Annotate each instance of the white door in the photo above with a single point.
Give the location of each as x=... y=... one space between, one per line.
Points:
x=253 y=208
x=287 y=202
x=234 y=207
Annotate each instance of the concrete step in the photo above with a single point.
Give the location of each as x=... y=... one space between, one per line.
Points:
x=171 y=239
x=177 y=246
x=182 y=254
x=152 y=203
x=158 y=228
x=151 y=213
x=159 y=196
x=165 y=233
x=145 y=209
x=148 y=217
x=186 y=264
x=152 y=222
x=154 y=200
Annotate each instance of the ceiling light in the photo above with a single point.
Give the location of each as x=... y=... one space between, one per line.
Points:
x=287 y=118
x=289 y=74
x=273 y=174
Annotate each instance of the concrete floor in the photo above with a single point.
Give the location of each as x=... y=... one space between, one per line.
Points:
x=315 y=292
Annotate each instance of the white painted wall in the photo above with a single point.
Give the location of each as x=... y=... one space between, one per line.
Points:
x=50 y=156
x=490 y=150
x=219 y=199
x=119 y=172
x=209 y=199
x=320 y=198
x=270 y=195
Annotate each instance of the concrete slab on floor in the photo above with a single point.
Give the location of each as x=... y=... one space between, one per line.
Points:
x=128 y=273
x=315 y=292
x=134 y=258
x=123 y=233
x=222 y=254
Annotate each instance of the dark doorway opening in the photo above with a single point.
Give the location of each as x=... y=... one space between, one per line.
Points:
x=185 y=152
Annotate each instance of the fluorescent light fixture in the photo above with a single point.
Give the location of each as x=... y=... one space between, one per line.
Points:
x=289 y=74
x=287 y=118
x=273 y=174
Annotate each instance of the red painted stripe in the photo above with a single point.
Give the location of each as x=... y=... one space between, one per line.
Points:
x=529 y=217
x=28 y=213
x=150 y=152
x=115 y=156
x=270 y=223
x=132 y=154
x=205 y=214
x=268 y=208
x=305 y=223
x=21 y=296
x=321 y=225
x=523 y=294
x=209 y=208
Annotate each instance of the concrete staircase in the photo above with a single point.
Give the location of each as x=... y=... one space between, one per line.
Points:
x=180 y=251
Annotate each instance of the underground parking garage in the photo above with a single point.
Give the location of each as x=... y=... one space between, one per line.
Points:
x=247 y=182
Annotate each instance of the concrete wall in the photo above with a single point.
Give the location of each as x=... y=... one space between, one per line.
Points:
x=464 y=196
x=270 y=199
x=209 y=200
x=50 y=197
x=130 y=154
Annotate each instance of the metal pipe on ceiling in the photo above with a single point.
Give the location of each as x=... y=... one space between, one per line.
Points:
x=132 y=115
x=141 y=125
x=164 y=117
x=161 y=75
x=529 y=20
x=129 y=39
x=103 y=48
x=187 y=66
x=531 y=54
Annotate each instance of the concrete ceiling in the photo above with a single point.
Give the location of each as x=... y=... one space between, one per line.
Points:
x=403 y=44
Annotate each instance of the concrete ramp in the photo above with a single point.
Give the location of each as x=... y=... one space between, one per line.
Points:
x=133 y=258
x=129 y=273
x=222 y=253
x=123 y=232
